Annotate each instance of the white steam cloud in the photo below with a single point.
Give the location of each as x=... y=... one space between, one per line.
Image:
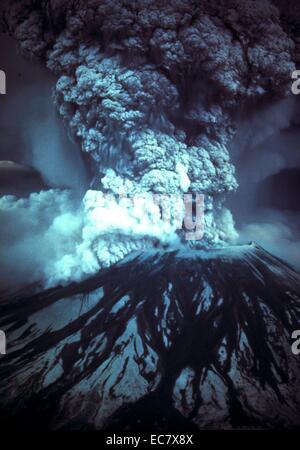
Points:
x=51 y=238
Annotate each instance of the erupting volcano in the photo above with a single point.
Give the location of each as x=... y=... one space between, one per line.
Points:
x=113 y=320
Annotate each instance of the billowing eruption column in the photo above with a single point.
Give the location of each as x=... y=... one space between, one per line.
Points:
x=150 y=89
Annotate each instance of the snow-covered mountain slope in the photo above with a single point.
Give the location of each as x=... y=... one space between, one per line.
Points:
x=192 y=339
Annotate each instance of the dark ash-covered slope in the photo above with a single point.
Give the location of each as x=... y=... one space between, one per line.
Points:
x=187 y=339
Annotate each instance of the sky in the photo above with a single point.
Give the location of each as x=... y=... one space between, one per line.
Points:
x=266 y=154
x=31 y=131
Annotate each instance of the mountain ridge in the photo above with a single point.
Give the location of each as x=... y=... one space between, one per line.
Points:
x=185 y=339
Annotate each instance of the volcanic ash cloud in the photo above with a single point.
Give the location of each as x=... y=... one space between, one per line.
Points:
x=150 y=91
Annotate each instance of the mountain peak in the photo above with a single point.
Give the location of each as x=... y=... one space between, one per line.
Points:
x=185 y=338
